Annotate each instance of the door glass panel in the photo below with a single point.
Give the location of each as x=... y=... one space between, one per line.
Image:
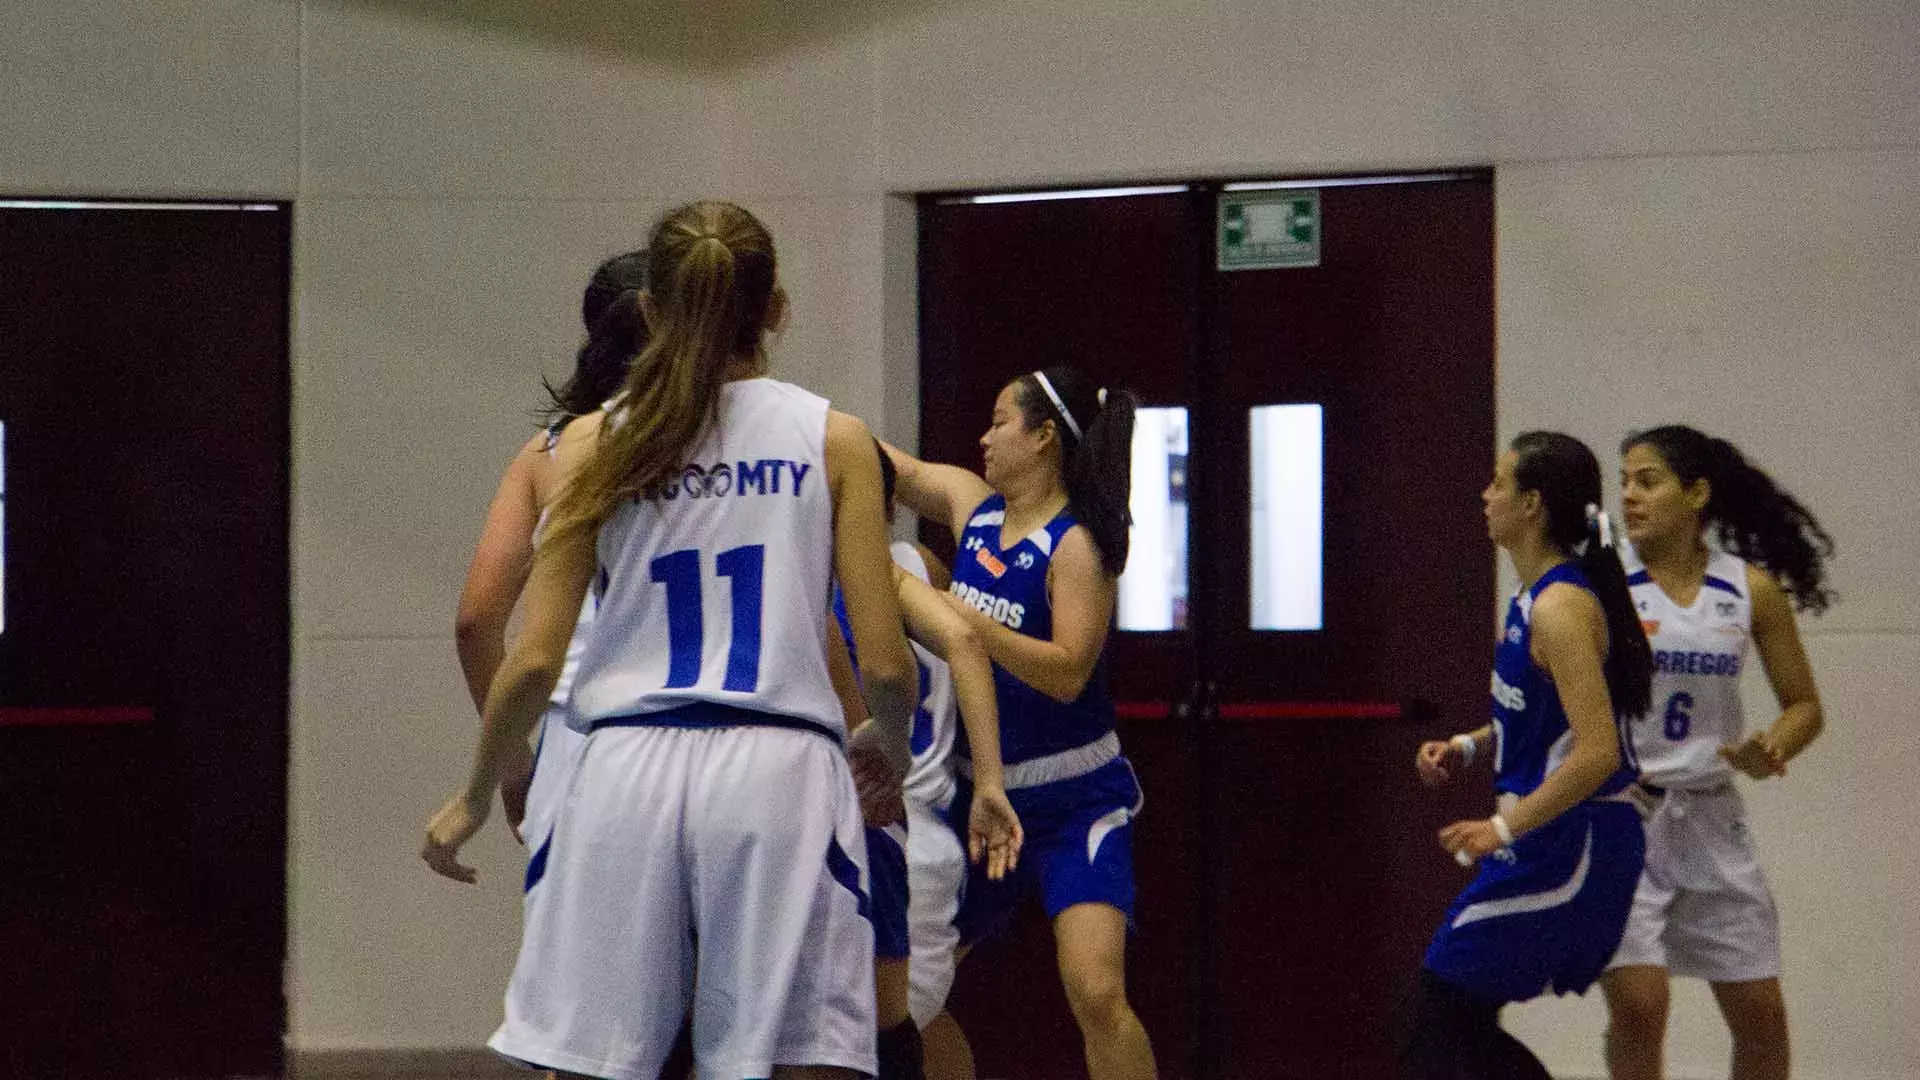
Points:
x=1153 y=591
x=1285 y=467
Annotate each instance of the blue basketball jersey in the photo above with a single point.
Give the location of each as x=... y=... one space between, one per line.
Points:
x=1010 y=586
x=1531 y=736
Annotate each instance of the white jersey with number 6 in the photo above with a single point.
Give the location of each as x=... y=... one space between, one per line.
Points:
x=1698 y=653
x=714 y=587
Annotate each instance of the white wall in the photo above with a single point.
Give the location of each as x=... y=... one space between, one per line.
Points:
x=1704 y=206
x=459 y=178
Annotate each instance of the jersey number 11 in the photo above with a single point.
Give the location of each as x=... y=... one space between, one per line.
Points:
x=686 y=632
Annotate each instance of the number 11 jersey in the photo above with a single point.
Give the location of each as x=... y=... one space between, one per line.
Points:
x=713 y=588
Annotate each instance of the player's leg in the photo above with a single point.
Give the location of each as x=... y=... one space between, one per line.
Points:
x=1637 y=1003
x=1756 y=1014
x=1091 y=942
x=1732 y=940
x=947 y=1054
x=1086 y=881
x=1455 y=1034
x=899 y=1037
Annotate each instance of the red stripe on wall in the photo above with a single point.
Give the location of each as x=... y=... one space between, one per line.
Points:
x=1273 y=710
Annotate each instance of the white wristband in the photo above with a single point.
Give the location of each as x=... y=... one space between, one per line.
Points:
x=1501 y=829
x=1468 y=748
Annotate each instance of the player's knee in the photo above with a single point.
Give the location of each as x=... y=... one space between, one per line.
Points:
x=1637 y=1017
x=1759 y=1023
x=1098 y=997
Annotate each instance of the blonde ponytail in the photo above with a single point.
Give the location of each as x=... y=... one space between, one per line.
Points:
x=711 y=278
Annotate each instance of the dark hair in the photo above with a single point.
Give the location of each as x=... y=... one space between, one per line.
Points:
x=610 y=308
x=1567 y=477
x=710 y=273
x=889 y=477
x=619 y=274
x=1097 y=463
x=601 y=364
x=1753 y=518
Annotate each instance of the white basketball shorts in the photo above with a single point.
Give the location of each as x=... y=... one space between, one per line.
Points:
x=936 y=871
x=554 y=760
x=1702 y=909
x=717 y=872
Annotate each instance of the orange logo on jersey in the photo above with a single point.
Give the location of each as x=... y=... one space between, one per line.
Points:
x=986 y=558
x=1651 y=626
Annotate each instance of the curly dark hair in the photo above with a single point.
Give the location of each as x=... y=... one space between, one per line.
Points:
x=1750 y=514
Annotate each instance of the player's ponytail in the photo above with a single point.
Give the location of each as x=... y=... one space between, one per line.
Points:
x=1750 y=514
x=710 y=273
x=1567 y=477
x=1095 y=426
x=600 y=367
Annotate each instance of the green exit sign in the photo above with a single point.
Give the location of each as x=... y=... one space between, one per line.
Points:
x=1268 y=230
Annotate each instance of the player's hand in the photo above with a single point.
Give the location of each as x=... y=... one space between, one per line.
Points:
x=1645 y=803
x=1757 y=756
x=1436 y=760
x=876 y=780
x=1470 y=841
x=516 y=781
x=994 y=834
x=961 y=607
x=453 y=826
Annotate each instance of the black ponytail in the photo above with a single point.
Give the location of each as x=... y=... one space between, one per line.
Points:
x=1749 y=513
x=1567 y=477
x=610 y=279
x=610 y=310
x=1096 y=452
x=601 y=364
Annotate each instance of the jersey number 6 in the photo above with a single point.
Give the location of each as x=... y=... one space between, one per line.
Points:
x=1679 y=719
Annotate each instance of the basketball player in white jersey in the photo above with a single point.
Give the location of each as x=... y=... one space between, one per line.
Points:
x=609 y=307
x=1703 y=909
x=708 y=855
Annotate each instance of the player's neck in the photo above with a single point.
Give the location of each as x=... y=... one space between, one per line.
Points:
x=1532 y=558
x=1682 y=559
x=1030 y=507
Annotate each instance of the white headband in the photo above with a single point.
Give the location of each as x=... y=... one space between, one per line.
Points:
x=1060 y=406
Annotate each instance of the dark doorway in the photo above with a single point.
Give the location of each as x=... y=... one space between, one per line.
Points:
x=1288 y=875
x=144 y=389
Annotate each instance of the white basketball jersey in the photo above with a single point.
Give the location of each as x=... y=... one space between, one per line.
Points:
x=714 y=589
x=1698 y=654
x=928 y=780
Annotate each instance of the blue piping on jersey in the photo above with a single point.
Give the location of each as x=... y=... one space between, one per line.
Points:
x=537 y=866
x=848 y=875
x=707 y=715
x=1639 y=577
x=1723 y=585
